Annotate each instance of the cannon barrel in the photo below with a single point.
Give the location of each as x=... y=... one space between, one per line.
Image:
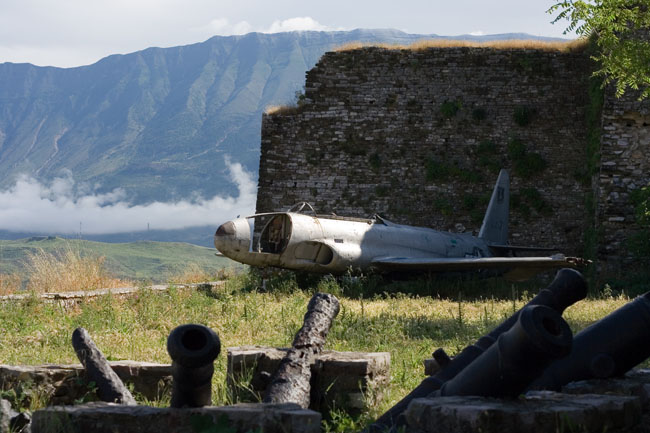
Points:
x=568 y=287
x=520 y=355
x=607 y=348
x=193 y=349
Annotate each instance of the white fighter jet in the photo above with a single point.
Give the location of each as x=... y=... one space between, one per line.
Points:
x=299 y=239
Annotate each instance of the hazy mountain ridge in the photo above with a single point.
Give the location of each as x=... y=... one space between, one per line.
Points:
x=157 y=122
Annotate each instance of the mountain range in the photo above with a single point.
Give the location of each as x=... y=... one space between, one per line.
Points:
x=160 y=123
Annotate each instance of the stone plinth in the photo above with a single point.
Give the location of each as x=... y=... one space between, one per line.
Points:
x=635 y=383
x=537 y=412
x=65 y=383
x=111 y=418
x=347 y=380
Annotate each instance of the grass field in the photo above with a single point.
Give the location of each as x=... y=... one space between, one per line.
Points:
x=137 y=261
x=410 y=327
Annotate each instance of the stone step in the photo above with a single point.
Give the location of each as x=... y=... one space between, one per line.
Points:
x=102 y=417
x=64 y=383
x=349 y=380
x=536 y=412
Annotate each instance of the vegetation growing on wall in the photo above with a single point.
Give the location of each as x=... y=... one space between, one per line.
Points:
x=525 y=164
x=449 y=109
x=528 y=200
x=441 y=170
x=639 y=244
x=593 y=121
x=486 y=151
x=523 y=115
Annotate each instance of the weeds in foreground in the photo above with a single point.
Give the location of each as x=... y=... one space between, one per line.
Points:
x=193 y=274
x=67 y=270
x=9 y=284
x=372 y=318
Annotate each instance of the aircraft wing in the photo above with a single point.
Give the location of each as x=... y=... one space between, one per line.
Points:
x=516 y=268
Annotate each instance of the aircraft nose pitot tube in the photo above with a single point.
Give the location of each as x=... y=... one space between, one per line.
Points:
x=233 y=237
x=520 y=355
x=607 y=348
x=193 y=349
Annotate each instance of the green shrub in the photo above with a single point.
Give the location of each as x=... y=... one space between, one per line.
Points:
x=516 y=149
x=535 y=199
x=639 y=243
x=478 y=114
x=449 y=109
x=382 y=190
x=375 y=161
x=436 y=170
x=443 y=205
x=525 y=164
x=486 y=152
x=523 y=115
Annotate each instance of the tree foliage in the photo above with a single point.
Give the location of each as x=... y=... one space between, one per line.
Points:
x=622 y=32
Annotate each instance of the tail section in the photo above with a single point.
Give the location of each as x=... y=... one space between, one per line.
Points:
x=494 y=229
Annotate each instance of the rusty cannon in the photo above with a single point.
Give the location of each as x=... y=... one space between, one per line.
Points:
x=568 y=287
x=193 y=349
x=607 y=348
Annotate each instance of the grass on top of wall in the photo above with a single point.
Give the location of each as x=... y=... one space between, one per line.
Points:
x=511 y=44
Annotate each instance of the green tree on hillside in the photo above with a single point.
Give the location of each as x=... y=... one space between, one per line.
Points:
x=616 y=24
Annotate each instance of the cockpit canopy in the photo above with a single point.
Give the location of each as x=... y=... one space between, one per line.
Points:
x=275 y=235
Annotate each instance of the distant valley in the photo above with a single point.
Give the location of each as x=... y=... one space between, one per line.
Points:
x=146 y=261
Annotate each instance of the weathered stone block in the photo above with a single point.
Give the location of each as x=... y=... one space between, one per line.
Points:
x=349 y=380
x=5 y=415
x=111 y=418
x=537 y=412
x=63 y=384
x=635 y=383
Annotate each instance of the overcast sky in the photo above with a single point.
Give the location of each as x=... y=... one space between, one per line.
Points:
x=78 y=32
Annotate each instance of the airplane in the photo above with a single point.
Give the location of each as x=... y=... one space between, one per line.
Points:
x=301 y=240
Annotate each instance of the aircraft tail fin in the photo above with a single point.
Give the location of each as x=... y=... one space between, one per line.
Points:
x=495 y=223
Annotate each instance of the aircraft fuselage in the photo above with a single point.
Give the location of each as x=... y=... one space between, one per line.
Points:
x=330 y=244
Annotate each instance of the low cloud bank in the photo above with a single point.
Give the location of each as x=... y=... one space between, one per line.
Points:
x=60 y=207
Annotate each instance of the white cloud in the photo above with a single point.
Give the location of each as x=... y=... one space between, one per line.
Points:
x=477 y=33
x=60 y=206
x=223 y=27
x=295 y=24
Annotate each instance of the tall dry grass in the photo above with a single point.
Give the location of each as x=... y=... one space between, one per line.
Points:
x=280 y=109
x=9 y=284
x=68 y=270
x=513 y=44
x=193 y=273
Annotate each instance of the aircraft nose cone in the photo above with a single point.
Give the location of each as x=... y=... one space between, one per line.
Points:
x=233 y=237
x=226 y=229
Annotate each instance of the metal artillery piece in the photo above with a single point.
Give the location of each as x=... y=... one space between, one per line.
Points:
x=193 y=349
x=607 y=348
x=519 y=355
x=567 y=288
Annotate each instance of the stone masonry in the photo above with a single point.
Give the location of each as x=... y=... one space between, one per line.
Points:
x=419 y=136
x=625 y=167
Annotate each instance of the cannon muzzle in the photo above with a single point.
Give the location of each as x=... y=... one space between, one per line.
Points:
x=607 y=348
x=520 y=355
x=193 y=349
x=568 y=287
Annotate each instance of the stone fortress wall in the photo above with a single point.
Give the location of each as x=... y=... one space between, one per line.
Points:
x=624 y=168
x=419 y=136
